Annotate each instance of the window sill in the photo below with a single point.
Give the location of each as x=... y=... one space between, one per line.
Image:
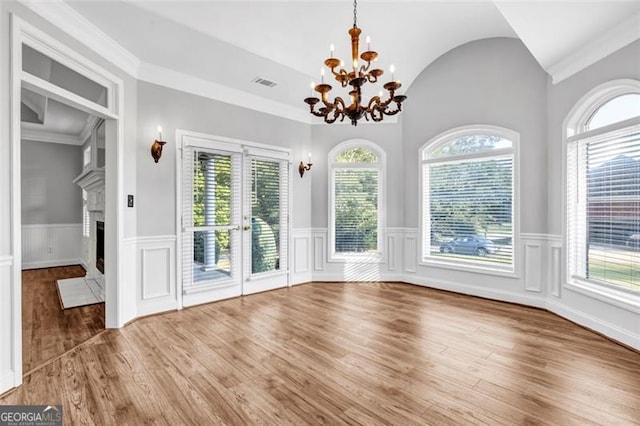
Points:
x=622 y=299
x=469 y=267
x=356 y=258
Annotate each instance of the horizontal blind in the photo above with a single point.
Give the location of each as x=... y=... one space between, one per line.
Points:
x=269 y=188
x=211 y=188
x=470 y=205
x=356 y=210
x=604 y=209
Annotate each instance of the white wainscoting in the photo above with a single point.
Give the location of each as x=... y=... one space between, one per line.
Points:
x=8 y=376
x=156 y=274
x=46 y=246
x=387 y=268
x=301 y=256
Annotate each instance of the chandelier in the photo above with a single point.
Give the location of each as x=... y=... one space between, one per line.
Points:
x=377 y=107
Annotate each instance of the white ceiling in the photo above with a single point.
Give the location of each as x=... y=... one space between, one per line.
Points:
x=229 y=43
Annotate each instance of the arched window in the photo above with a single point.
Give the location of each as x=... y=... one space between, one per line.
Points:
x=356 y=213
x=468 y=198
x=603 y=189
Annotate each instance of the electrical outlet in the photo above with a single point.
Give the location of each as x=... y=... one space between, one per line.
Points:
x=50 y=250
x=129 y=200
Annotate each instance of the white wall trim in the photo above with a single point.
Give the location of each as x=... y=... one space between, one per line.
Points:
x=52 y=263
x=621 y=35
x=6 y=261
x=596 y=324
x=78 y=27
x=155 y=273
x=154 y=239
x=541 y=237
x=37 y=135
x=197 y=86
x=488 y=293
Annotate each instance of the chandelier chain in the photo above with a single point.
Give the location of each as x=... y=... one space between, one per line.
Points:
x=355 y=12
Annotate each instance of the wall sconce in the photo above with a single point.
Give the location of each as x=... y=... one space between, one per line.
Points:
x=302 y=167
x=156 y=148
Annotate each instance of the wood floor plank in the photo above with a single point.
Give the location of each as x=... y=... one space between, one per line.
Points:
x=342 y=353
x=47 y=330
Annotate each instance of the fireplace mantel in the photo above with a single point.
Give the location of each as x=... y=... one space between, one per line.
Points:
x=92 y=181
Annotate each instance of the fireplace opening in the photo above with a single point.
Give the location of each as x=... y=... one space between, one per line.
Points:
x=100 y=246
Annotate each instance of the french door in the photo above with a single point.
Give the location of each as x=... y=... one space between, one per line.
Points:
x=235 y=219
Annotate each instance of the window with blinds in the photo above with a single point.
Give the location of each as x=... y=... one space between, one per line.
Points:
x=269 y=213
x=356 y=200
x=211 y=208
x=603 y=198
x=468 y=193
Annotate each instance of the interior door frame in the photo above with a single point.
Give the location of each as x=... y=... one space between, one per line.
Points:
x=238 y=143
x=25 y=33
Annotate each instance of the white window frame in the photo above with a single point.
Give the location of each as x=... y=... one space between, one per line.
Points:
x=425 y=228
x=380 y=166
x=575 y=129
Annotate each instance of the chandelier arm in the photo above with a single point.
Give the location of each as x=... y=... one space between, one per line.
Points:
x=336 y=113
x=377 y=114
x=392 y=112
x=386 y=103
x=373 y=103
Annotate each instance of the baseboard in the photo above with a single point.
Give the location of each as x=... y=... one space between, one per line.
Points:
x=535 y=301
x=595 y=324
x=52 y=263
x=333 y=277
x=155 y=308
x=8 y=382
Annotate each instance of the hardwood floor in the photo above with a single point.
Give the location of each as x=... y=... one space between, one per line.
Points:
x=48 y=330
x=344 y=353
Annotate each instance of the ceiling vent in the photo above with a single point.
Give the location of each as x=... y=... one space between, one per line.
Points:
x=264 y=82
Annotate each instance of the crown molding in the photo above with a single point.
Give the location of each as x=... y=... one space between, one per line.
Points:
x=623 y=34
x=209 y=89
x=79 y=28
x=38 y=135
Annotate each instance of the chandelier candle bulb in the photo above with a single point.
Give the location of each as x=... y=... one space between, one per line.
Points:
x=309 y=158
x=331 y=48
x=392 y=70
x=322 y=75
x=159 y=133
x=368 y=44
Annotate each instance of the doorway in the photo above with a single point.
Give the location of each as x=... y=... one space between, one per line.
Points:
x=234 y=218
x=106 y=104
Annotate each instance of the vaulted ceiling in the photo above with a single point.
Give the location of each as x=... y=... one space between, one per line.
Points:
x=230 y=43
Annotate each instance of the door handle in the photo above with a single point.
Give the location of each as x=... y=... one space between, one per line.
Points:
x=247 y=227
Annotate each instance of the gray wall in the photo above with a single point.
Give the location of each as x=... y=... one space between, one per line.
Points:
x=625 y=63
x=493 y=81
x=48 y=193
x=172 y=109
x=387 y=136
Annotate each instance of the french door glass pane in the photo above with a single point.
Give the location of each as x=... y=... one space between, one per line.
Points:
x=212 y=206
x=265 y=215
